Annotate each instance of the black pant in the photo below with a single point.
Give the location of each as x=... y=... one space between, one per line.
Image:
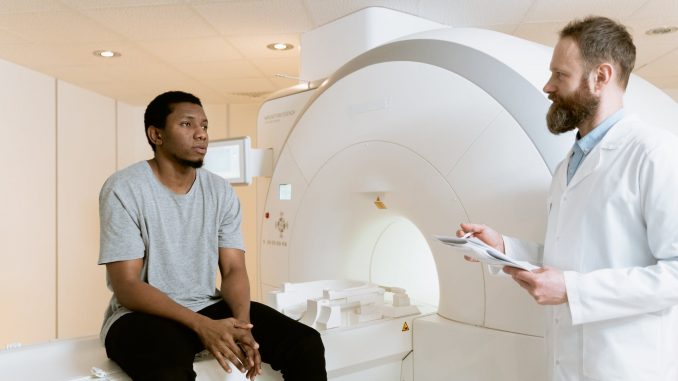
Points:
x=152 y=348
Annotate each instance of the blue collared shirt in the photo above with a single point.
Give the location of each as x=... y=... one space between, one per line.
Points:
x=582 y=146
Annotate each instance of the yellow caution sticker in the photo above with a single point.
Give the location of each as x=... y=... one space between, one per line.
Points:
x=405 y=327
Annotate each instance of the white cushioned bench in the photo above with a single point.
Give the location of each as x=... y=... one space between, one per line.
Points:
x=79 y=359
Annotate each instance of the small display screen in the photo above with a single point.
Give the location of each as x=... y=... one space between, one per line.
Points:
x=285 y=192
x=224 y=160
x=230 y=159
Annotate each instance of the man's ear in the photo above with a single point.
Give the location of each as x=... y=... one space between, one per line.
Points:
x=155 y=135
x=603 y=76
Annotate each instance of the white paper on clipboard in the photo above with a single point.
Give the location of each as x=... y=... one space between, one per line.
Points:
x=480 y=251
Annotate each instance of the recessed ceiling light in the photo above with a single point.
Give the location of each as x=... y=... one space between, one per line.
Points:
x=106 y=53
x=280 y=46
x=661 y=30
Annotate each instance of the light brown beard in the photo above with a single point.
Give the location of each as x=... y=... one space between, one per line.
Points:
x=568 y=113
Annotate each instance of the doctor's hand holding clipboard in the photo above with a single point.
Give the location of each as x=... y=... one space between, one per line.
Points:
x=545 y=284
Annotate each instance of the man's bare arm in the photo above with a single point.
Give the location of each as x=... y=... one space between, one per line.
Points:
x=235 y=284
x=235 y=289
x=218 y=336
x=139 y=296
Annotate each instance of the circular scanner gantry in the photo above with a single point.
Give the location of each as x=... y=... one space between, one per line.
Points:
x=442 y=127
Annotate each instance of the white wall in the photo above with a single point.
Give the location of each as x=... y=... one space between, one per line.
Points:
x=130 y=136
x=243 y=122
x=86 y=153
x=60 y=142
x=27 y=206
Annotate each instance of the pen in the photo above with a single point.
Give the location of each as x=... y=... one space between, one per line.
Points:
x=467 y=235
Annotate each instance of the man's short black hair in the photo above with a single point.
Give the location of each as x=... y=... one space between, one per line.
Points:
x=160 y=107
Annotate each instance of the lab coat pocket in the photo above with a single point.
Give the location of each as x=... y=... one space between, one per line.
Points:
x=623 y=349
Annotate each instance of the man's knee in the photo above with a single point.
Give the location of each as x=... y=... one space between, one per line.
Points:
x=310 y=343
x=306 y=359
x=310 y=351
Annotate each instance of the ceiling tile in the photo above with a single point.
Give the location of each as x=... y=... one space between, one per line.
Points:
x=166 y=80
x=99 y=4
x=663 y=66
x=564 y=11
x=503 y=28
x=56 y=27
x=673 y=93
x=82 y=54
x=652 y=53
x=668 y=82
x=7 y=37
x=256 y=17
x=236 y=99
x=282 y=83
x=545 y=33
x=191 y=50
x=207 y=94
x=657 y=10
x=325 y=11
x=218 y=47
x=243 y=85
x=152 y=23
x=85 y=73
x=39 y=56
x=255 y=46
x=651 y=48
x=219 y=69
x=639 y=27
x=272 y=66
x=474 y=12
x=153 y=73
x=18 y=6
x=76 y=64
x=142 y=96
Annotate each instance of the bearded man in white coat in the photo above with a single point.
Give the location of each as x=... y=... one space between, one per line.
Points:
x=610 y=258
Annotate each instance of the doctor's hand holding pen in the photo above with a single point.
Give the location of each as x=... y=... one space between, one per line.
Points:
x=483 y=233
x=546 y=285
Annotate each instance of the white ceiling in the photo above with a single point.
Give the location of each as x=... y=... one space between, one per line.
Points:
x=217 y=48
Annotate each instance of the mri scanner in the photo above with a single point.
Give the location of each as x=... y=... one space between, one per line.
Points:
x=439 y=128
x=400 y=143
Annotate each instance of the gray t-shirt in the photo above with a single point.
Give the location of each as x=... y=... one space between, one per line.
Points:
x=178 y=236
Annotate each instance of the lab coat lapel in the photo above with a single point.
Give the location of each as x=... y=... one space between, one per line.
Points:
x=588 y=165
x=560 y=176
x=610 y=142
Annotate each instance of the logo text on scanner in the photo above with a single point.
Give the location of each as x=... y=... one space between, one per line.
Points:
x=273 y=242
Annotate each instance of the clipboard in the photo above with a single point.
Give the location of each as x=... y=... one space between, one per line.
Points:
x=482 y=252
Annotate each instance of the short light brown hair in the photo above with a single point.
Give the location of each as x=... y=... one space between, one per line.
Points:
x=601 y=39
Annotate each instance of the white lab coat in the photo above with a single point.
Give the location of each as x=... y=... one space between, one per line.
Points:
x=614 y=232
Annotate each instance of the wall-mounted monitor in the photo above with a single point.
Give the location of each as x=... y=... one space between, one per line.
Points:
x=230 y=159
